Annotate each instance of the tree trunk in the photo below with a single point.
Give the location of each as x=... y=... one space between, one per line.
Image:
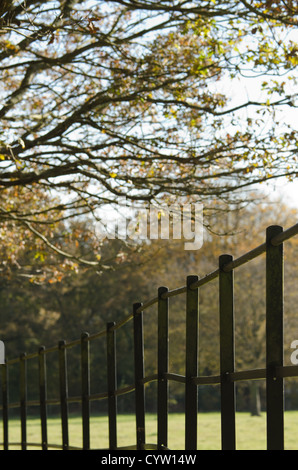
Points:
x=255 y=403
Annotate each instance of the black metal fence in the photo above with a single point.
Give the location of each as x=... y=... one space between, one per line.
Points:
x=274 y=372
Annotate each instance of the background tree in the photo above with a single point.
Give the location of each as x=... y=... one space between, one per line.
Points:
x=102 y=100
x=48 y=254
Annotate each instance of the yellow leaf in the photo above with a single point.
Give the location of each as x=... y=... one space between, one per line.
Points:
x=113 y=175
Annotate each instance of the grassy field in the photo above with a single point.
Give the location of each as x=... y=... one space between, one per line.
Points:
x=251 y=431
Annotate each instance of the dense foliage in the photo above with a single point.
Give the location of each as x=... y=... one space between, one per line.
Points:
x=143 y=100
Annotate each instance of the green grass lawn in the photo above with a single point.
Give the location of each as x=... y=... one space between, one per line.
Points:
x=251 y=431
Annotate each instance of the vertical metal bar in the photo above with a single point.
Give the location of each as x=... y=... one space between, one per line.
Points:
x=63 y=394
x=163 y=363
x=43 y=397
x=85 y=374
x=274 y=340
x=139 y=375
x=191 y=366
x=112 y=385
x=227 y=360
x=5 y=404
x=23 y=400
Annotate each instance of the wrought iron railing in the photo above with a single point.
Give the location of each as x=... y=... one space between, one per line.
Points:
x=274 y=372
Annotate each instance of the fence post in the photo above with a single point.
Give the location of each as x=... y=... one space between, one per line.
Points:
x=63 y=394
x=139 y=375
x=226 y=314
x=162 y=360
x=23 y=400
x=43 y=397
x=112 y=385
x=191 y=369
x=5 y=404
x=274 y=340
x=85 y=374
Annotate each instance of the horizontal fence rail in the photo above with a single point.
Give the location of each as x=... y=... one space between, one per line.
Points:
x=273 y=373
